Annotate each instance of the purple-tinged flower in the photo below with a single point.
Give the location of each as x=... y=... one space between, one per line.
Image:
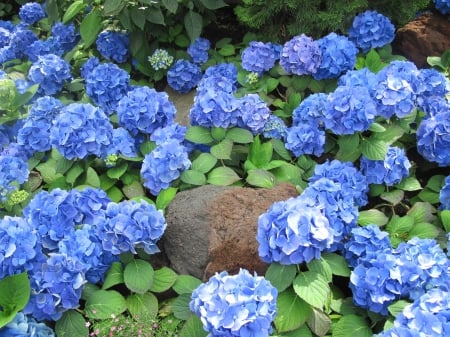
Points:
x=389 y=171
x=310 y=111
x=338 y=56
x=172 y=131
x=89 y=66
x=235 y=305
x=164 y=165
x=349 y=109
x=13 y=173
x=160 y=59
x=66 y=35
x=129 y=225
x=183 y=76
x=433 y=138
x=371 y=29
x=23 y=325
x=301 y=55
x=293 y=232
x=106 y=84
x=275 y=127
x=305 y=139
x=198 y=50
x=444 y=194
x=442 y=6
x=31 y=12
x=253 y=113
x=81 y=130
x=144 y=109
x=258 y=57
x=113 y=45
x=51 y=72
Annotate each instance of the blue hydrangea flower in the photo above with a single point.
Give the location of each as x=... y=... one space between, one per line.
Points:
x=365 y=241
x=18 y=151
x=433 y=141
x=275 y=127
x=41 y=47
x=46 y=107
x=5 y=37
x=431 y=83
x=310 y=110
x=442 y=6
x=24 y=326
x=13 y=173
x=338 y=56
x=21 y=40
x=160 y=59
x=91 y=204
x=301 y=55
x=172 y=131
x=235 y=305
x=106 y=85
x=164 y=165
x=129 y=225
x=398 y=331
x=198 y=50
x=258 y=57
x=89 y=66
x=51 y=72
x=349 y=109
x=227 y=70
x=35 y=134
x=144 y=109
x=353 y=182
x=122 y=143
x=305 y=139
x=20 y=247
x=371 y=29
x=66 y=35
x=253 y=113
x=81 y=130
x=433 y=105
x=183 y=76
x=389 y=171
x=113 y=45
x=293 y=232
x=362 y=78
x=31 y=12
x=444 y=194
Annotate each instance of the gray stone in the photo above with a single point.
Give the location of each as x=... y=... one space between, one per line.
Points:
x=183 y=104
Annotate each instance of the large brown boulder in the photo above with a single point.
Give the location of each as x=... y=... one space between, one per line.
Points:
x=428 y=35
x=212 y=228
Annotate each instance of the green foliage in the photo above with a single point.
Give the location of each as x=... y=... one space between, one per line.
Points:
x=15 y=291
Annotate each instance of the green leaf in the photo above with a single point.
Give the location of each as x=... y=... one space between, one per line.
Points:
x=114 y=276
x=133 y=190
x=271 y=84
x=185 y=284
x=193 y=23
x=435 y=183
x=90 y=27
x=71 y=324
x=22 y=99
x=288 y=173
x=422 y=212
x=240 y=136
x=399 y=226
x=376 y=127
x=74 y=172
x=227 y=50
x=138 y=276
x=394 y=197
x=193 y=177
x=397 y=307
x=138 y=17
x=213 y=4
x=180 y=306
x=260 y=154
x=372 y=216
x=113 y=7
x=222 y=150
x=321 y=267
x=280 y=149
x=349 y=147
x=102 y=304
x=351 y=325
x=163 y=280
x=260 y=178
x=393 y=132
x=338 y=264
x=281 y=276
x=117 y=171
x=445 y=218
x=142 y=306
x=218 y=133
x=92 y=178
x=424 y=230
x=319 y=322
x=222 y=176
x=292 y=311
x=193 y=327
x=15 y=292
x=204 y=162
x=115 y=194
x=155 y=15
x=170 y=5
x=409 y=184
x=165 y=197
x=71 y=11
x=429 y=196
x=312 y=287
x=199 y=135
x=373 y=61
x=374 y=149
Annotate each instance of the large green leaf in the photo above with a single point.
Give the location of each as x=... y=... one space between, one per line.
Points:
x=338 y=264
x=322 y=267
x=138 y=276
x=113 y=7
x=312 y=287
x=163 y=280
x=281 y=276
x=180 y=306
x=222 y=176
x=424 y=230
x=238 y=135
x=199 y=135
x=349 y=147
x=319 y=323
x=193 y=23
x=165 y=197
x=204 y=162
x=193 y=327
x=351 y=325
x=222 y=150
x=102 y=304
x=374 y=149
x=155 y=15
x=170 y=5
x=260 y=154
x=372 y=216
x=193 y=177
x=90 y=27
x=74 y=8
x=185 y=284
x=260 y=178
x=114 y=276
x=14 y=295
x=71 y=324
x=292 y=311
x=142 y=306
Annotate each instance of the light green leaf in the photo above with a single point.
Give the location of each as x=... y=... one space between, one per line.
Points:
x=373 y=61
x=193 y=23
x=193 y=327
x=260 y=154
x=133 y=190
x=435 y=183
x=281 y=276
x=165 y=197
x=204 y=162
x=319 y=322
x=374 y=149
x=90 y=27
x=260 y=178
x=393 y=132
x=74 y=172
x=400 y=226
x=138 y=276
x=115 y=194
x=424 y=230
x=163 y=280
x=372 y=216
x=102 y=304
x=142 y=306
x=71 y=11
x=409 y=184
x=445 y=218
x=114 y=276
x=338 y=264
x=92 y=178
x=227 y=50
x=185 y=284
x=288 y=173
x=222 y=150
x=271 y=84
x=422 y=212
x=397 y=307
x=180 y=306
x=117 y=171
x=376 y=127
x=71 y=324
x=193 y=177
x=351 y=325
x=222 y=176
x=22 y=99
x=312 y=287
x=292 y=311
x=280 y=149
x=199 y=135
x=394 y=197
x=321 y=267
x=240 y=136
x=218 y=133
x=429 y=196
x=14 y=295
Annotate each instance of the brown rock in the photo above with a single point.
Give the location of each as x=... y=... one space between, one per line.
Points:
x=428 y=35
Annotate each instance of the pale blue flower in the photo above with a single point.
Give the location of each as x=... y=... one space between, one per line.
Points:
x=51 y=72
x=198 y=50
x=258 y=57
x=253 y=113
x=301 y=55
x=25 y=326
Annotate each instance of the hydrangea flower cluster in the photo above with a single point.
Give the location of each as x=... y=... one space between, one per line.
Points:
x=13 y=172
x=259 y=57
x=442 y=6
x=301 y=55
x=371 y=29
x=31 y=12
x=389 y=171
x=23 y=325
x=253 y=113
x=310 y=111
x=19 y=42
x=432 y=83
x=40 y=48
x=275 y=127
x=89 y=66
x=198 y=50
x=81 y=130
x=66 y=35
x=183 y=76
x=293 y=231
x=164 y=165
x=144 y=109
x=444 y=194
x=235 y=305
x=122 y=143
x=131 y=224
x=169 y=132
x=113 y=45
x=106 y=84
x=51 y=72
x=305 y=139
x=160 y=59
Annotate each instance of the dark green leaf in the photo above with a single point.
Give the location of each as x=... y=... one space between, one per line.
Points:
x=114 y=276
x=280 y=149
x=75 y=171
x=288 y=173
x=193 y=327
x=90 y=27
x=92 y=178
x=22 y=99
x=349 y=147
x=102 y=304
x=445 y=218
x=180 y=306
x=213 y=4
x=435 y=183
x=14 y=295
x=319 y=322
x=170 y=5
x=193 y=23
x=394 y=197
x=113 y=7
x=133 y=190
x=74 y=8
x=138 y=276
x=351 y=325
x=292 y=311
x=218 y=133
x=117 y=171
x=227 y=50
x=138 y=17
x=71 y=324
x=155 y=15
